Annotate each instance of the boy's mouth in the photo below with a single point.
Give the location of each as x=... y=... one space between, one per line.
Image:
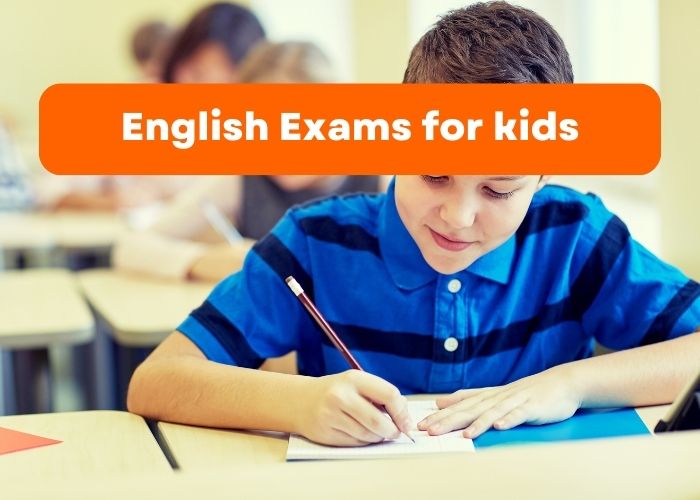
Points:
x=448 y=243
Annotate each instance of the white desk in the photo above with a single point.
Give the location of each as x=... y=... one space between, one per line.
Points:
x=199 y=448
x=640 y=468
x=40 y=308
x=96 y=444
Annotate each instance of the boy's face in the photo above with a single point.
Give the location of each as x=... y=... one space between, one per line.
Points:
x=454 y=220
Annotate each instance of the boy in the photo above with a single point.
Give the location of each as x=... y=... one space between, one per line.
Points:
x=491 y=286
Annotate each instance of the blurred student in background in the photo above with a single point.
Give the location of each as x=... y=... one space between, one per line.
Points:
x=149 y=45
x=136 y=196
x=183 y=243
x=212 y=45
x=15 y=190
x=109 y=193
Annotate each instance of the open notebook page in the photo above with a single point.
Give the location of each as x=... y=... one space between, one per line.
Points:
x=302 y=449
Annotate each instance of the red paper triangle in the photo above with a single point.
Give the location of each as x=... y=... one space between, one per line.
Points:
x=17 y=441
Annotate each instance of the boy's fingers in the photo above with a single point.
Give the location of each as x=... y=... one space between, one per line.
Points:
x=438 y=416
x=357 y=430
x=371 y=418
x=449 y=420
x=486 y=419
x=514 y=418
x=398 y=411
x=456 y=420
x=434 y=418
x=384 y=394
x=456 y=397
x=457 y=417
x=473 y=398
x=341 y=438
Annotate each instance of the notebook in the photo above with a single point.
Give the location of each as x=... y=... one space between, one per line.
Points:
x=301 y=448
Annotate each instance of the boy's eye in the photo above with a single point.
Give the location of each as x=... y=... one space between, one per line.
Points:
x=435 y=179
x=497 y=194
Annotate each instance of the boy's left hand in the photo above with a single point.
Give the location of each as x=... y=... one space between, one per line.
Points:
x=546 y=397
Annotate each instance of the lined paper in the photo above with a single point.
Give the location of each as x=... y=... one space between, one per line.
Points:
x=301 y=448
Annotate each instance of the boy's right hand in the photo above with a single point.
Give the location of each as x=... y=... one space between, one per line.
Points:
x=342 y=411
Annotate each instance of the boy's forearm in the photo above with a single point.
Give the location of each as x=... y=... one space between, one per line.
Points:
x=647 y=375
x=198 y=392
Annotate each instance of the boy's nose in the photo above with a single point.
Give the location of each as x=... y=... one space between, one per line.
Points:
x=459 y=213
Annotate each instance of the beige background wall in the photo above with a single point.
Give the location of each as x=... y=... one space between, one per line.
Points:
x=381 y=39
x=680 y=167
x=47 y=41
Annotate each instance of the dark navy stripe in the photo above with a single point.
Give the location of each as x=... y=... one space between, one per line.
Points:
x=662 y=326
x=584 y=290
x=548 y=216
x=611 y=243
x=332 y=198
x=283 y=262
x=424 y=346
x=404 y=344
x=350 y=236
x=226 y=333
x=519 y=333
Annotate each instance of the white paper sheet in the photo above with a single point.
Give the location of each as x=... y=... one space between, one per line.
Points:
x=302 y=449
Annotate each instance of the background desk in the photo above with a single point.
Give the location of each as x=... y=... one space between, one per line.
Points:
x=65 y=233
x=96 y=444
x=19 y=231
x=40 y=308
x=140 y=311
x=135 y=313
x=198 y=448
x=637 y=468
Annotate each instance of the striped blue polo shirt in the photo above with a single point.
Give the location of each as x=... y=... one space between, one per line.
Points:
x=570 y=274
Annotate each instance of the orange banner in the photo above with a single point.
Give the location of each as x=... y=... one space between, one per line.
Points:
x=349 y=129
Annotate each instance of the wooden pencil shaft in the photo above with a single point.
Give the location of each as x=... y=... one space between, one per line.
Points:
x=328 y=330
x=296 y=288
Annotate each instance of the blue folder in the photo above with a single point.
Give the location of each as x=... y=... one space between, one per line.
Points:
x=585 y=424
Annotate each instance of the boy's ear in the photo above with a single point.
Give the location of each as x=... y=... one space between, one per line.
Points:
x=544 y=179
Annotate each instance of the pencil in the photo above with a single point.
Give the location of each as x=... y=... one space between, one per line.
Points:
x=296 y=288
x=220 y=223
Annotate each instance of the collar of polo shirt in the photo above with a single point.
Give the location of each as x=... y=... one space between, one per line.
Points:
x=408 y=268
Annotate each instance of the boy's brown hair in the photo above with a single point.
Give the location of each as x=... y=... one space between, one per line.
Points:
x=492 y=42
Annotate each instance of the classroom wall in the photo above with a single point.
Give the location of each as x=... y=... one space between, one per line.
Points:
x=330 y=27
x=680 y=168
x=381 y=40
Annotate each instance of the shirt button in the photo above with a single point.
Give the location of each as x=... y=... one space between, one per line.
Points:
x=454 y=285
x=451 y=343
